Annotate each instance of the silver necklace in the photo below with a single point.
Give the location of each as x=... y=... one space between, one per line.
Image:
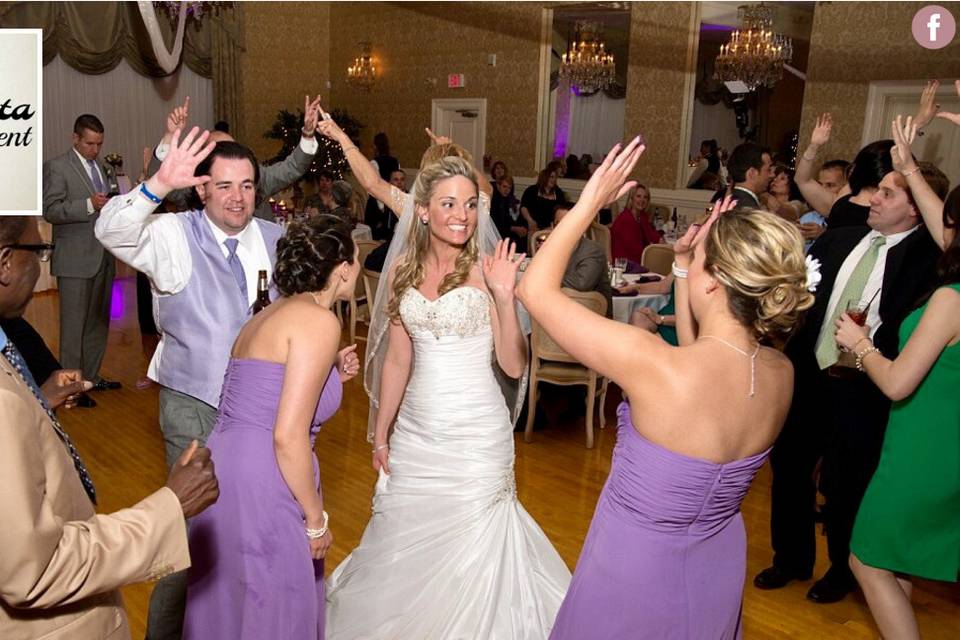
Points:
x=753 y=360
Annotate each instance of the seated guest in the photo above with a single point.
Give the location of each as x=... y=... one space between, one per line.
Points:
x=662 y=321
x=322 y=201
x=498 y=171
x=632 y=231
x=379 y=217
x=587 y=268
x=849 y=206
x=782 y=196
x=708 y=167
x=749 y=168
x=506 y=214
x=342 y=192
x=375 y=259
x=63 y=563
x=538 y=200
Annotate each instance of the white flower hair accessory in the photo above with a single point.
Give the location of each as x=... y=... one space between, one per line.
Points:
x=813 y=273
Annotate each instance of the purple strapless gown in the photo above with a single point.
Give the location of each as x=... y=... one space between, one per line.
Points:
x=252 y=576
x=665 y=556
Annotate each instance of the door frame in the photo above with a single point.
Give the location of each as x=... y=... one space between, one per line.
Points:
x=438 y=105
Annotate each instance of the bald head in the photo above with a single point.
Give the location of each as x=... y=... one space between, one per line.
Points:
x=220 y=136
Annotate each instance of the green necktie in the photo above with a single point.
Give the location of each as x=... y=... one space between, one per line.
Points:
x=827 y=354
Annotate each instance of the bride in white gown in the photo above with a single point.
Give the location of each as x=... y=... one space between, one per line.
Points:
x=449 y=551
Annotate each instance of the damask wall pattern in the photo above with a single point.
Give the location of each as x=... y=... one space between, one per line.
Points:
x=287 y=56
x=659 y=37
x=417 y=43
x=855 y=43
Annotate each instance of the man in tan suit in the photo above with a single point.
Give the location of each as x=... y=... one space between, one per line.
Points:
x=61 y=564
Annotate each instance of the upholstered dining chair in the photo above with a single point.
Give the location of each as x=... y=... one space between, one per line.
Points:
x=550 y=363
x=658 y=258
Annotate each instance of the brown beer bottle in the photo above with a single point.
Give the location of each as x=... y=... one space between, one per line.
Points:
x=263 y=293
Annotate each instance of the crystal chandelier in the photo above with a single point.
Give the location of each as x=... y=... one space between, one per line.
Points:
x=586 y=65
x=362 y=73
x=755 y=54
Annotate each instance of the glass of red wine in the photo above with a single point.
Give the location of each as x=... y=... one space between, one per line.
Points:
x=858 y=312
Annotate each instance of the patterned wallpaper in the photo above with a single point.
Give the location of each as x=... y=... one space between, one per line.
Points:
x=414 y=42
x=853 y=44
x=655 y=85
x=287 y=57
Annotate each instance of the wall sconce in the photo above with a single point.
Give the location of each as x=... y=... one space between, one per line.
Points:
x=362 y=73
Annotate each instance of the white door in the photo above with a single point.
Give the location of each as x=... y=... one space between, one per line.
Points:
x=940 y=143
x=463 y=120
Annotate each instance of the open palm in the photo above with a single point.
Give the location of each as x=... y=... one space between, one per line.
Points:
x=177 y=169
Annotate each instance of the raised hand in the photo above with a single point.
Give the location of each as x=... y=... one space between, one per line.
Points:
x=176 y=171
x=311 y=115
x=177 y=119
x=608 y=182
x=500 y=270
x=348 y=363
x=435 y=139
x=904 y=133
x=928 y=107
x=330 y=129
x=683 y=249
x=947 y=115
x=821 y=130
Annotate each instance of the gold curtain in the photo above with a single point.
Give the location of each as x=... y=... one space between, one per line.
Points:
x=93 y=37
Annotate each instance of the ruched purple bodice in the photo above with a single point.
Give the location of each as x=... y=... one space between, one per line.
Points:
x=252 y=575
x=665 y=556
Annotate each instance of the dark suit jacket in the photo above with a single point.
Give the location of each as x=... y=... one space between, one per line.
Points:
x=745 y=200
x=66 y=187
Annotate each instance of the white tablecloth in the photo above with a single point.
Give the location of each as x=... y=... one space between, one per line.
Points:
x=623 y=308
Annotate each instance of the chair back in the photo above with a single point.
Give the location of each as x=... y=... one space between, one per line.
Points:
x=658 y=258
x=600 y=234
x=544 y=347
x=364 y=247
x=536 y=239
x=371 y=280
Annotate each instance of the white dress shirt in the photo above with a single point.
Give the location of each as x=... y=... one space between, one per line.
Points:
x=874 y=282
x=90 y=170
x=308 y=145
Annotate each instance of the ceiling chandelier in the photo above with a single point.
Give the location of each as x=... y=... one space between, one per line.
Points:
x=755 y=54
x=586 y=65
x=363 y=73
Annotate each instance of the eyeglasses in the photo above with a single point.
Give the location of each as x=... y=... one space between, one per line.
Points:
x=43 y=250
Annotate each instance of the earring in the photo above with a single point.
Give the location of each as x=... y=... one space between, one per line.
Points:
x=423 y=220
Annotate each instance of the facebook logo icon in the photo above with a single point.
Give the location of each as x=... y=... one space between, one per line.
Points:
x=933 y=27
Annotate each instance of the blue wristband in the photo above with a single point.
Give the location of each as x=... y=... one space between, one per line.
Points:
x=149 y=196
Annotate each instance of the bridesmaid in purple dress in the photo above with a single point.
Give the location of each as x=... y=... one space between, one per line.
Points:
x=665 y=556
x=258 y=555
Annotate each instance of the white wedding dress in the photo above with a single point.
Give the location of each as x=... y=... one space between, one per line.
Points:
x=449 y=552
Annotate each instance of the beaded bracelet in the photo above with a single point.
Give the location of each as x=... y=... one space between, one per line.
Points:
x=863 y=354
x=316 y=534
x=677 y=271
x=382 y=446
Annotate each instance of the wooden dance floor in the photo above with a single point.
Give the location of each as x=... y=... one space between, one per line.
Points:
x=558 y=482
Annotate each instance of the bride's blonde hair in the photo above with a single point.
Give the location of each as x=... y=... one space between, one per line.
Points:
x=410 y=271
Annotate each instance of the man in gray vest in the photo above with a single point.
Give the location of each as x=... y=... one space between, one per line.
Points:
x=75 y=188
x=203 y=266
x=272 y=179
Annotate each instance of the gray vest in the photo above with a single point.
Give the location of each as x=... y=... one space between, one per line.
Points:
x=200 y=323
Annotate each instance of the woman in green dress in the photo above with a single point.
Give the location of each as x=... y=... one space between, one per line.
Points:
x=909 y=520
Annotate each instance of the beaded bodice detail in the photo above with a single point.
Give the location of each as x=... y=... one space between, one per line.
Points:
x=462 y=312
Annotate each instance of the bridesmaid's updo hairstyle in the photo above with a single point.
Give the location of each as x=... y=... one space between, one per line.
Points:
x=308 y=253
x=759 y=259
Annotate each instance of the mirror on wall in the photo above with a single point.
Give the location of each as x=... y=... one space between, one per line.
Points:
x=589 y=47
x=728 y=114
